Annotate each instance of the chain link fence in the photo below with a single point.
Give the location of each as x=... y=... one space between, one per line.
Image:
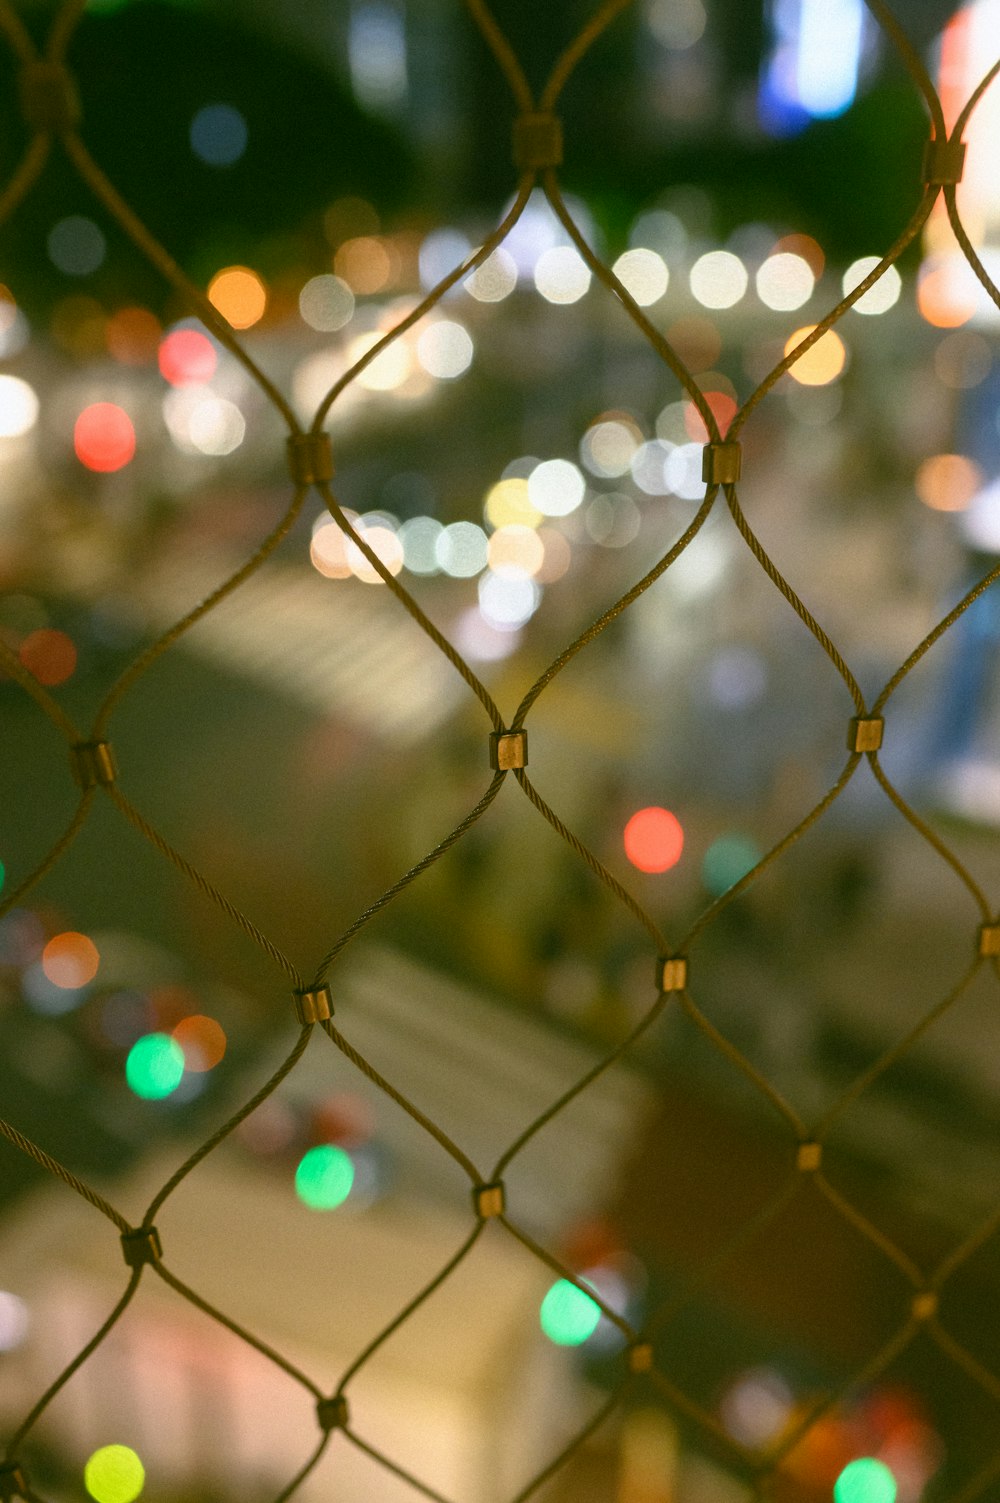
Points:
x=50 y=107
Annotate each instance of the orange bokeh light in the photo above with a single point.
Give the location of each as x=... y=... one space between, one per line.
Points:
x=239 y=295
x=103 y=437
x=187 y=358
x=822 y=362
x=948 y=482
x=70 y=960
x=364 y=264
x=132 y=336
x=203 y=1041
x=48 y=654
x=805 y=246
x=654 y=839
x=941 y=299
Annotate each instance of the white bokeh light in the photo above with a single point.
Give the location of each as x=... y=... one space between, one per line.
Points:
x=419 y=537
x=785 y=282
x=326 y=303
x=445 y=349
x=556 y=487
x=643 y=273
x=494 y=279
x=562 y=275
x=880 y=297
x=216 y=426
x=718 y=279
x=508 y=601
x=607 y=447
x=18 y=407
x=462 y=550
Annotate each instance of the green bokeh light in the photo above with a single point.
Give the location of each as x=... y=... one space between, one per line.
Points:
x=865 y=1481
x=324 y=1177
x=155 y=1066
x=567 y=1315
x=3 y=875
x=114 y=1474
x=727 y=860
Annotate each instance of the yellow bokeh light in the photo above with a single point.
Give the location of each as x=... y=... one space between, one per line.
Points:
x=114 y=1474
x=239 y=295
x=948 y=482
x=507 y=505
x=822 y=362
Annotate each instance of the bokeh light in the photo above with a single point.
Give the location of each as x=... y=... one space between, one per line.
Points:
x=202 y=1041
x=154 y=1067
x=556 y=487
x=865 y=1481
x=567 y=1315
x=18 y=407
x=676 y=24
x=948 y=482
x=419 y=537
x=561 y=275
x=494 y=279
x=445 y=349
x=386 y=547
x=218 y=135
x=326 y=303
x=785 y=281
x=507 y=601
x=48 y=654
x=239 y=294
x=103 y=437
x=822 y=362
x=328 y=552
x=462 y=550
x=880 y=297
x=364 y=264
x=723 y=407
x=654 y=839
x=643 y=273
x=507 y=504
x=70 y=960
x=718 y=279
x=727 y=860
x=516 y=550
x=186 y=357
x=946 y=291
x=114 y=1474
x=390 y=367
x=324 y=1177
x=76 y=246
x=216 y=426
x=608 y=446
x=132 y=335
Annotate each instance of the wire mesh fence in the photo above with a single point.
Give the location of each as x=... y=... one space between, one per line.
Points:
x=50 y=107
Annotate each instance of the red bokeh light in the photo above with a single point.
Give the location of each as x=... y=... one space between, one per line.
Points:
x=49 y=655
x=722 y=405
x=103 y=437
x=187 y=358
x=654 y=840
